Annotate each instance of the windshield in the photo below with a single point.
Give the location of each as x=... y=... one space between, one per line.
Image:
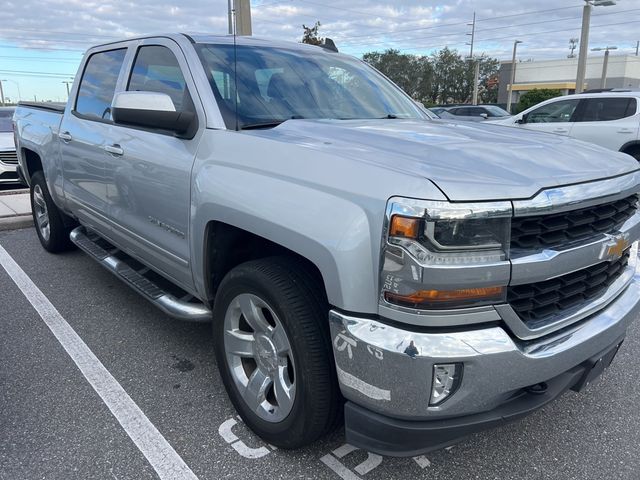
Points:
x=5 y=120
x=276 y=84
x=497 y=111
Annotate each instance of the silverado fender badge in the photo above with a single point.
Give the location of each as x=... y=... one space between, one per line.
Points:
x=615 y=247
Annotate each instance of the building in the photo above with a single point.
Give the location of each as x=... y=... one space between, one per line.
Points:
x=623 y=71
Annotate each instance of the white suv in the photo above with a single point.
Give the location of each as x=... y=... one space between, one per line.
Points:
x=609 y=119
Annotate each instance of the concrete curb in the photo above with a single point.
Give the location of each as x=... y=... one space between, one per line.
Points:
x=16 y=222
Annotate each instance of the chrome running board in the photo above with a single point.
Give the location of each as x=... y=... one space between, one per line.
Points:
x=165 y=301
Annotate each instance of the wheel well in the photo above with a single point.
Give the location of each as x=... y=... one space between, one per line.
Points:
x=630 y=147
x=227 y=246
x=32 y=162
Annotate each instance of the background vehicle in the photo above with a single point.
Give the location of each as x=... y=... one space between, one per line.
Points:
x=608 y=119
x=477 y=113
x=8 y=157
x=441 y=278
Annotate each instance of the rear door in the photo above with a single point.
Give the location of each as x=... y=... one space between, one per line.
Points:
x=553 y=117
x=149 y=171
x=610 y=122
x=84 y=130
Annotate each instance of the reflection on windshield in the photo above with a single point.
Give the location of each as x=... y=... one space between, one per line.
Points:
x=275 y=84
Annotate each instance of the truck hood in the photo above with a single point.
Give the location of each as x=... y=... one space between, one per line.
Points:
x=467 y=161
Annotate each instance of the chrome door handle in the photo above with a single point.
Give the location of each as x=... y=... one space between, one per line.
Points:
x=65 y=137
x=560 y=130
x=625 y=130
x=114 y=149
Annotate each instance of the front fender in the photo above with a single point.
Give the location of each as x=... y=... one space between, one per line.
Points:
x=328 y=209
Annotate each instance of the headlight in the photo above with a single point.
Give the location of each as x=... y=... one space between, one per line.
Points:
x=441 y=233
x=439 y=236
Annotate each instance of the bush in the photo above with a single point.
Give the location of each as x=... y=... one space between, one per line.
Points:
x=536 y=96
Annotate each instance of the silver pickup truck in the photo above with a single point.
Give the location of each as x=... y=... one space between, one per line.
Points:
x=417 y=279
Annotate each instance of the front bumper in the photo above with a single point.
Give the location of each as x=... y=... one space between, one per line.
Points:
x=390 y=387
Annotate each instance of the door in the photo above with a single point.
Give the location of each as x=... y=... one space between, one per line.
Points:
x=554 y=117
x=609 y=122
x=149 y=171
x=82 y=136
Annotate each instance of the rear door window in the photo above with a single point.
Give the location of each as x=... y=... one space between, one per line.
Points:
x=98 y=84
x=607 y=109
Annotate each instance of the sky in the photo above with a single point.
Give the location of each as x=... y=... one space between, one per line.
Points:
x=41 y=42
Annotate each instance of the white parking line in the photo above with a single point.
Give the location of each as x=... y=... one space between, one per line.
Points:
x=160 y=454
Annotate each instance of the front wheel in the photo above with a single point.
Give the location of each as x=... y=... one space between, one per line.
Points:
x=47 y=218
x=273 y=351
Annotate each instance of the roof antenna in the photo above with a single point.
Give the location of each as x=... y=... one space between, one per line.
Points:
x=235 y=62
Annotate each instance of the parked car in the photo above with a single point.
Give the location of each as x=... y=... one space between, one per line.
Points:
x=608 y=119
x=478 y=113
x=8 y=157
x=441 y=278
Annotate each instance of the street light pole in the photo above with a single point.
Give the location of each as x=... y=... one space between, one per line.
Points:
x=67 y=82
x=1 y=94
x=513 y=74
x=17 y=86
x=605 y=63
x=584 y=39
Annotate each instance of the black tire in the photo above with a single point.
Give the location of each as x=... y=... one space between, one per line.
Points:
x=298 y=301
x=59 y=224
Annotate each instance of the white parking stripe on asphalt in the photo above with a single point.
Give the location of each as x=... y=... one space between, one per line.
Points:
x=159 y=453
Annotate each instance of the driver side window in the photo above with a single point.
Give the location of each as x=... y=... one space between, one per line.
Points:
x=555 y=112
x=156 y=69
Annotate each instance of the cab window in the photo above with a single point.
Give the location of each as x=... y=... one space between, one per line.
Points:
x=98 y=84
x=156 y=69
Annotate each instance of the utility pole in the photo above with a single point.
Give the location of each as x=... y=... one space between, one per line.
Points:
x=513 y=74
x=1 y=94
x=242 y=22
x=584 y=45
x=476 y=63
x=637 y=47
x=605 y=63
x=584 y=39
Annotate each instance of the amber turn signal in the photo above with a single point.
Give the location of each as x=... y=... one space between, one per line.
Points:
x=406 y=227
x=439 y=297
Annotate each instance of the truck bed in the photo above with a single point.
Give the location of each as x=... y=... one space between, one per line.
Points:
x=49 y=106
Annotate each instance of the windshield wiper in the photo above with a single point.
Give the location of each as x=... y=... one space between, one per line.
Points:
x=269 y=124
x=273 y=123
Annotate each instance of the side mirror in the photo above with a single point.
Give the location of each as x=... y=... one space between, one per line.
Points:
x=484 y=115
x=522 y=119
x=150 y=110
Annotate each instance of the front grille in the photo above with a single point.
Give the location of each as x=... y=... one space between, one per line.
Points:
x=545 y=231
x=10 y=158
x=541 y=300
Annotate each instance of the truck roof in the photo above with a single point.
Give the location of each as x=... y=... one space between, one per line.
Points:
x=220 y=39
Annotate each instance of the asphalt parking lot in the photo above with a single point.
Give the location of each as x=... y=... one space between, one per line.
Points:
x=54 y=425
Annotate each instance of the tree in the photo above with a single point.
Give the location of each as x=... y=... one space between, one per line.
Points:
x=444 y=77
x=310 y=35
x=535 y=96
x=406 y=71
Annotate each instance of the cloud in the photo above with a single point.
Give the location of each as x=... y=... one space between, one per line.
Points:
x=67 y=27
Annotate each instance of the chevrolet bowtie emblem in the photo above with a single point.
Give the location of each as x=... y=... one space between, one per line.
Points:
x=617 y=247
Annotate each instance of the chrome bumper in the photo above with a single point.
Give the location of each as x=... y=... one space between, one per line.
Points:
x=374 y=371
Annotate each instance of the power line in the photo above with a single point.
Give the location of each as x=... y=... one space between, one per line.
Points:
x=504 y=27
